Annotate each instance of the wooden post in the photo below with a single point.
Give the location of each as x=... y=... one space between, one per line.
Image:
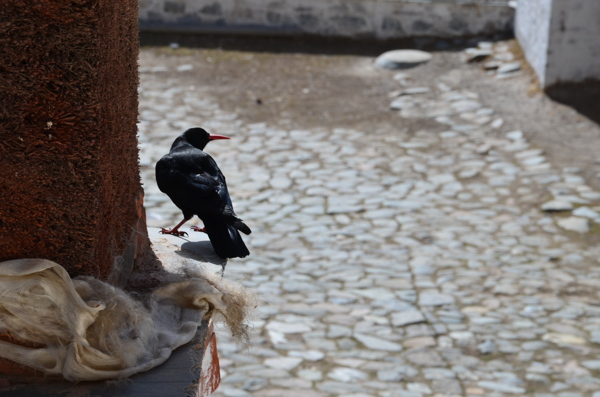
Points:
x=69 y=180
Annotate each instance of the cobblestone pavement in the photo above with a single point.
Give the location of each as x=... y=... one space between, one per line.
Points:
x=412 y=264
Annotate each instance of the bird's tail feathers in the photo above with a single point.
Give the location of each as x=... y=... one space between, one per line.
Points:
x=242 y=227
x=225 y=239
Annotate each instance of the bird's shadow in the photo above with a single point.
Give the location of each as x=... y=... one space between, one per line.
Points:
x=201 y=251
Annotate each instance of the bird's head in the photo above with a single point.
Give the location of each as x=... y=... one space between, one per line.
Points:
x=199 y=138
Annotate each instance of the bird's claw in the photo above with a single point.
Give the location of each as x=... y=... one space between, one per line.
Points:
x=173 y=232
x=199 y=229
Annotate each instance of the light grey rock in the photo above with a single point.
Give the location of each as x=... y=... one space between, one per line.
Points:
x=425 y=358
x=557 y=205
x=406 y=317
x=287 y=328
x=477 y=54
x=509 y=67
x=254 y=384
x=402 y=59
x=501 y=387
x=534 y=345
x=185 y=68
x=391 y=375
x=309 y=355
x=491 y=65
x=310 y=375
x=594 y=365
x=574 y=224
x=514 y=135
x=347 y=374
x=415 y=91
x=285 y=363
x=435 y=299
x=563 y=339
x=438 y=373
x=487 y=347
x=339 y=387
x=533 y=160
x=418 y=387
x=375 y=343
x=586 y=212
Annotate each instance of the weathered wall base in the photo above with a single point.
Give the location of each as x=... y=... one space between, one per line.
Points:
x=381 y=19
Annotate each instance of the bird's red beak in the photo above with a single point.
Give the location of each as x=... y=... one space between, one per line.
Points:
x=213 y=137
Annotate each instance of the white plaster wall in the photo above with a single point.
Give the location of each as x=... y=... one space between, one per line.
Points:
x=347 y=18
x=574 y=51
x=560 y=39
x=532 y=28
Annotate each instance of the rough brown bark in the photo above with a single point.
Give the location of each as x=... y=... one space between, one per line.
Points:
x=69 y=180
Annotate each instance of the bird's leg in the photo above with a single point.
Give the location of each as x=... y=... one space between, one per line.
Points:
x=199 y=229
x=175 y=231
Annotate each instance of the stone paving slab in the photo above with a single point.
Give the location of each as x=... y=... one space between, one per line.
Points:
x=412 y=264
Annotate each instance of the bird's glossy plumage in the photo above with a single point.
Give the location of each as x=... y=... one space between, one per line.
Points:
x=195 y=184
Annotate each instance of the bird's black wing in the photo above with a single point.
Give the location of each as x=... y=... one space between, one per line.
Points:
x=223 y=193
x=194 y=182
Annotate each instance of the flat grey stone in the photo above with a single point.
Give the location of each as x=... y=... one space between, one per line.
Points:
x=288 y=328
x=376 y=343
x=574 y=224
x=586 y=212
x=509 y=67
x=477 y=54
x=391 y=375
x=514 y=135
x=347 y=374
x=254 y=384
x=438 y=373
x=563 y=339
x=406 y=317
x=418 y=387
x=591 y=364
x=557 y=205
x=285 y=363
x=185 y=68
x=415 y=90
x=310 y=355
x=501 y=387
x=534 y=160
x=487 y=347
x=435 y=299
x=402 y=59
x=533 y=345
x=426 y=358
x=311 y=375
x=339 y=387
x=491 y=65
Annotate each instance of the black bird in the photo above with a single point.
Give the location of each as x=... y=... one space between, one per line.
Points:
x=195 y=184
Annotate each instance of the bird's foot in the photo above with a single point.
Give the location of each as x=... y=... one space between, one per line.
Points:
x=173 y=231
x=199 y=229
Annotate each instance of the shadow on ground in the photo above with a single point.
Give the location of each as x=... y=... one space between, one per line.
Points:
x=583 y=97
x=308 y=44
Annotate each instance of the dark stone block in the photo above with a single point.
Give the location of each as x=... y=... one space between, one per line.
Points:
x=308 y=20
x=347 y=22
x=391 y=24
x=421 y=26
x=458 y=24
x=212 y=9
x=174 y=7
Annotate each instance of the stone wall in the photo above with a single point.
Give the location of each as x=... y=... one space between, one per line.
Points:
x=381 y=19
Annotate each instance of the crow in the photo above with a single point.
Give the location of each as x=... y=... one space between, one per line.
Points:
x=195 y=184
